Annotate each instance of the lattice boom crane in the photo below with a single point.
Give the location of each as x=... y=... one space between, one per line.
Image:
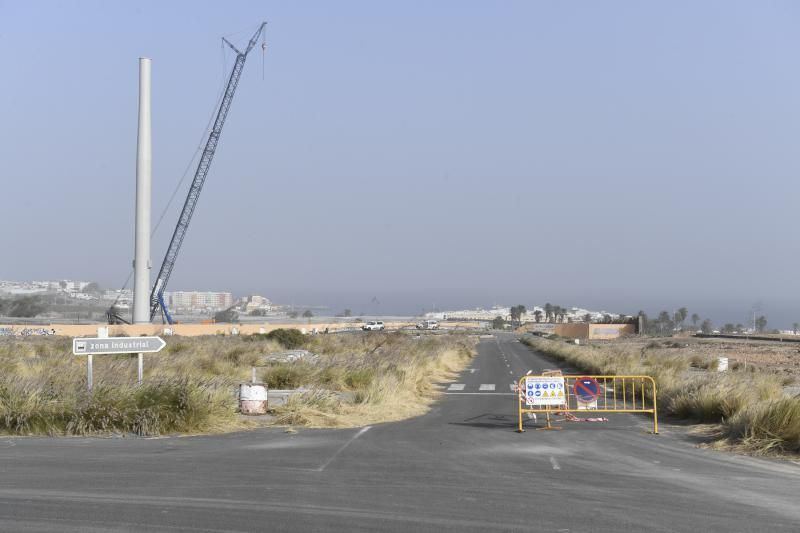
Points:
x=157 y=295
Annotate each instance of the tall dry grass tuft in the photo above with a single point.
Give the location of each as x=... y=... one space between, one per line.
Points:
x=376 y=377
x=768 y=426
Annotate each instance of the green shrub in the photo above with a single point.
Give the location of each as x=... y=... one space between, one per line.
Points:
x=287 y=375
x=289 y=338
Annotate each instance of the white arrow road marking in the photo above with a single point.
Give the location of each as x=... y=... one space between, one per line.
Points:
x=456 y=386
x=555 y=464
x=486 y=386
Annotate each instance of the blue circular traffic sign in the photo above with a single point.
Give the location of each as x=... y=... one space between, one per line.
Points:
x=586 y=389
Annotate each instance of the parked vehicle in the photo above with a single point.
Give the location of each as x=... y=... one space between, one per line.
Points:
x=373 y=325
x=428 y=324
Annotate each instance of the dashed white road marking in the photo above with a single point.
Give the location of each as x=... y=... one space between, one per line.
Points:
x=555 y=464
x=486 y=386
x=513 y=387
x=456 y=386
x=472 y=370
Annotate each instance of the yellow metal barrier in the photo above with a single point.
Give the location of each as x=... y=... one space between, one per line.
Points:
x=553 y=393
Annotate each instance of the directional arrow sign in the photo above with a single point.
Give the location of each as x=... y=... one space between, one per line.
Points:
x=114 y=345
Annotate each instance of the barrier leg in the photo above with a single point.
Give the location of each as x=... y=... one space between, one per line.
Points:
x=655 y=408
x=519 y=411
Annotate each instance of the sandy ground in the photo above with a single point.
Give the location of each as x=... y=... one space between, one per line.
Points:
x=777 y=357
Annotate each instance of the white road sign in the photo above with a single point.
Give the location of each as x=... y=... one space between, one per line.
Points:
x=545 y=390
x=112 y=345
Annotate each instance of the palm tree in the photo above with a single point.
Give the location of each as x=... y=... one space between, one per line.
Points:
x=795 y=327
x=680 y=315
x=538 y=315
x=695 y=319
x=548 y=309
x=664 y=321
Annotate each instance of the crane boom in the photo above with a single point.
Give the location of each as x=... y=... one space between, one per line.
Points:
x=157 y=294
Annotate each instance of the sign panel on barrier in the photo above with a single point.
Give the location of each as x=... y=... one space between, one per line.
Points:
x=586 y=390
x=544 y=390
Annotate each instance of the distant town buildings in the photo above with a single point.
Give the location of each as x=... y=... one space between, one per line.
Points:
x=255 y=304
x=534 y=314
x=195 y=301
x=122 y=297
x=179 y=302
x=23 y=288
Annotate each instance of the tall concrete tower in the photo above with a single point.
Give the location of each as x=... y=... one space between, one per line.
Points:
x=144 y=164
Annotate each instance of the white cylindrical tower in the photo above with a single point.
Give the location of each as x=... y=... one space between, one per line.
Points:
x=144 y=163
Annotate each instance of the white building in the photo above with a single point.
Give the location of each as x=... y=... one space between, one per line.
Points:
x=257 y=303
x=193 y=301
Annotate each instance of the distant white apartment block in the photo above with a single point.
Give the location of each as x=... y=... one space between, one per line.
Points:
x=255 y=302
x=194 y=301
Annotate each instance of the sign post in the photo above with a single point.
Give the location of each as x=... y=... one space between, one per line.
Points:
x=89 y=372
x=116 y=345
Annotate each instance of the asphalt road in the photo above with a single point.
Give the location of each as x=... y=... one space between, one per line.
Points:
x=461 y=467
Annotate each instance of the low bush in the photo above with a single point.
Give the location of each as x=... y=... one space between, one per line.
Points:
x=359 y=379
x=291 y=339
x=287 y=375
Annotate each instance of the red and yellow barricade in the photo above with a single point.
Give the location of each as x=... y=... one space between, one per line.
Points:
x=553 y=393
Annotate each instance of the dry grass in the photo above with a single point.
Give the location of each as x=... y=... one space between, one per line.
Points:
x=366 y=379
x=190 y=386
x=752 y=408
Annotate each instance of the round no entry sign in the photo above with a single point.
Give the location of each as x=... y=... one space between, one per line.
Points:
x=586 y=389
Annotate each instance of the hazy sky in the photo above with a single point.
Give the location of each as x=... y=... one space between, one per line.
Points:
x=621 y=155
